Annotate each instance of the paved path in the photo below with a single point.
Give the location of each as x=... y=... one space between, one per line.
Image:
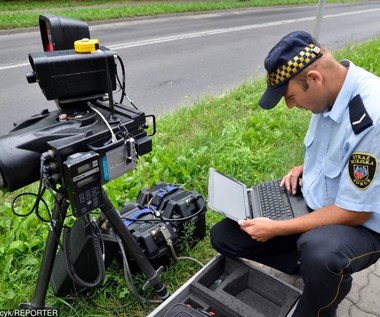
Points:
x=362 y=301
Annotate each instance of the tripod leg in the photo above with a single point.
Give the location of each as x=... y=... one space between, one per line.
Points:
x=130 y=243
x=60 y=209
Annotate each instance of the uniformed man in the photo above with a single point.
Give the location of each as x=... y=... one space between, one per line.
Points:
x=339 y=178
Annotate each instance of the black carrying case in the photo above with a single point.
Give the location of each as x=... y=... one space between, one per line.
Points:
x=153 y=246
x=178 y=208
x=230 y=287
x=182 y=206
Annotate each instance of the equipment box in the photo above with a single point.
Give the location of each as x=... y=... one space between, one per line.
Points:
x=230 y=287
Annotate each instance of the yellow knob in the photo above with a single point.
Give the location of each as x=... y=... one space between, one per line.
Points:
x=86 y=46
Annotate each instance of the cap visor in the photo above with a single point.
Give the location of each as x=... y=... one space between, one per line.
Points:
x=272 y=96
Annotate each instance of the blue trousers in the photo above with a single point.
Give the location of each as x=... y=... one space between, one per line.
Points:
x=327 y=257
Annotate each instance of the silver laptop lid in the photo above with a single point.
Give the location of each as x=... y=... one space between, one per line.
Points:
x=228 y=196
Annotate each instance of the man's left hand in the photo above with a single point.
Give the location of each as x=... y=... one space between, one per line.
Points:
x=260 y=229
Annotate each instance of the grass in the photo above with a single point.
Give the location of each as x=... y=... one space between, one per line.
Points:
x=229 y=133
x=16 y=14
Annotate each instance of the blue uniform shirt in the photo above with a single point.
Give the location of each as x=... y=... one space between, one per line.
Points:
x=341 y=167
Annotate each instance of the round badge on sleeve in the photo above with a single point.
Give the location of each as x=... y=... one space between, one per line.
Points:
x=362 y=168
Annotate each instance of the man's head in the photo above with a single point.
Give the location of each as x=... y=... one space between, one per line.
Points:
x=292 y=54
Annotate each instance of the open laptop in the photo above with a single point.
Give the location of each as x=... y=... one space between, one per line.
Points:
x=234 y=200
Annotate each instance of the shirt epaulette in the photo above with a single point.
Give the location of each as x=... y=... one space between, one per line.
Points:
x=359 y=117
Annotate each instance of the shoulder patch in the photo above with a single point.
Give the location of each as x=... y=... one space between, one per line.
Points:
x=360 y=120
x=362 y=168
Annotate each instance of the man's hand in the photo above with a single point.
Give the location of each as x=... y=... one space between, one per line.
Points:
x=263 y=229
x=260 y=229
x=293 y=179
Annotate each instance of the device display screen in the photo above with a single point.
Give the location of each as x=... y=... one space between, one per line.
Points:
x=84 y=168
x=86 y=180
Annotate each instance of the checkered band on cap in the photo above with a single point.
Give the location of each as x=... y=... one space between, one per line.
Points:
x=285 y=72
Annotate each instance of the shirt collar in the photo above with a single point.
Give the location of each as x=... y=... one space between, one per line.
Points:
x=341 y=102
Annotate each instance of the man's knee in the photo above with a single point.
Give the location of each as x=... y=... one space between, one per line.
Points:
x=319 y=251
x=215 y=237
x=227 y=238
x=220 y=239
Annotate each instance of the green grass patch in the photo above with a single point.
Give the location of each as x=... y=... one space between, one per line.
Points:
x=230 y=133
x=23 y=14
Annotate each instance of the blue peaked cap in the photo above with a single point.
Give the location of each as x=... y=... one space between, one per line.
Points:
x=293 y=53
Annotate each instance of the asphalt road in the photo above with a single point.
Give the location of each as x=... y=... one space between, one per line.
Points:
x=172 y=61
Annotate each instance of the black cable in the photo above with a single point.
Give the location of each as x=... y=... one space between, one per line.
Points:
x=123 y=94
x=128 y=275
x=109 y=85
x=123 y=130
x=70 y=266
x=122 y=85
x=200 y=209
x=100 y=236
x=36 y=204
x=46 y=177
x=35 y=207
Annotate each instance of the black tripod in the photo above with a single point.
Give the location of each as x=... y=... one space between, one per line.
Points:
x=60 y=210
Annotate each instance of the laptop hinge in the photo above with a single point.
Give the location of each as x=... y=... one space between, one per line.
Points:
x=250 y=194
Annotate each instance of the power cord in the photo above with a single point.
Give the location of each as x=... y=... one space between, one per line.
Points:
x=167 y=236
x=99 y=257
x=128 y=275
x=122 y=84
x=113 y=136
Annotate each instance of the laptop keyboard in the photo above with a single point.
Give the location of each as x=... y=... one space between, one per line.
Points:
x=272 y=201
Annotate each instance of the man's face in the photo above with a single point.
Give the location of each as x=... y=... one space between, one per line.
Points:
x=306 y=95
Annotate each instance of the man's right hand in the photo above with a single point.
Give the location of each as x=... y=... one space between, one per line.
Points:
x=293 y=179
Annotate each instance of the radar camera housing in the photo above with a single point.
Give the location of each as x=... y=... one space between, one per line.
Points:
x=80 y=76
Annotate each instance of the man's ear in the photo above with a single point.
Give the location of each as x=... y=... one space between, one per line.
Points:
x=315 y=78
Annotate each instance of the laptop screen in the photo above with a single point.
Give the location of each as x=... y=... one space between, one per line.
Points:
x=227 y=196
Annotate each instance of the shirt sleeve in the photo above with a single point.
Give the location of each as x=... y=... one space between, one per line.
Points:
x=359 y=187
